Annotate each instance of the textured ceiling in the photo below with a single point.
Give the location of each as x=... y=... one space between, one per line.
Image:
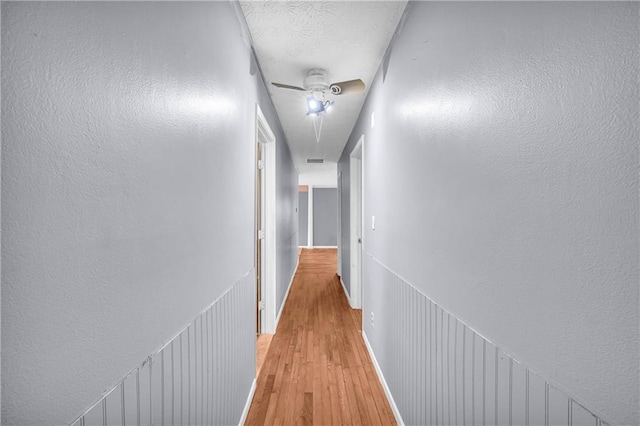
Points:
x=347 y=38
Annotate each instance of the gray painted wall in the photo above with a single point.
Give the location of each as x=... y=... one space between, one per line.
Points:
x=517 y=123
x=325 y=216
x=303 y=218
x=0 y=256
x=128 y=162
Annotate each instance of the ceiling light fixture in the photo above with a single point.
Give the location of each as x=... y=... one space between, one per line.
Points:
x=317 y=107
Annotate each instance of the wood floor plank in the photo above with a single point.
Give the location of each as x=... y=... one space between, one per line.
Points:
x=311 y=348
x=336 y=411
x=307 y=412
x=262 y=347
x=317 y=370
x=357 y=413
x=327 y=412
x=317 y=387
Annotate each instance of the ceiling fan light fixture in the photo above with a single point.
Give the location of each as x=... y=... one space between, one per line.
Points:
x=317 y=107
x=314 y=106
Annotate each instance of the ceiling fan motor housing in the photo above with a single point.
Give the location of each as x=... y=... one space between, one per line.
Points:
x=316 y=80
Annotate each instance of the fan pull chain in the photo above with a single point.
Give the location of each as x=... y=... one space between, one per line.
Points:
x=318 y=130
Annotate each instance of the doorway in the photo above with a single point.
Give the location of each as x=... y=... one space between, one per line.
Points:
x=265 y=226
x=355 y=222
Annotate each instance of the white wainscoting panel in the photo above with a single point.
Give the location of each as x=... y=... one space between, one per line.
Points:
x=441 y=372
x=201 y=377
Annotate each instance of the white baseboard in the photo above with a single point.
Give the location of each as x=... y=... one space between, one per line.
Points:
x=346 y=293
x=286 y=295
x=387 y=391
x=247 y=404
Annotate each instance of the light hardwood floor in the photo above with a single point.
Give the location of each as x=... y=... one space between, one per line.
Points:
x=262 y=347
x=317 y=370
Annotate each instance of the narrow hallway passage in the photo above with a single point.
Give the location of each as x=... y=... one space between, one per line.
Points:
x=318 y=370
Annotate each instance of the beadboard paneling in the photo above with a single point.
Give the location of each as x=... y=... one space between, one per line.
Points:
x=195 y=378
x=441 y=372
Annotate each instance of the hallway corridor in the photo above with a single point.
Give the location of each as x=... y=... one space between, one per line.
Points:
x=318 y=370
x=476 y=163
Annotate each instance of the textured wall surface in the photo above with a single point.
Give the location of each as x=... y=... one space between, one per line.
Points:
x=325 y=216
x=517 y=126
x=128 y=186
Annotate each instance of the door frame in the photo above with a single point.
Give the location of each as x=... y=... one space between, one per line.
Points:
x=356 y=215
x=265 y=136
x=339 y=242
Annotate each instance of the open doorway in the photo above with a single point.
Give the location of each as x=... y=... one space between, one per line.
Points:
x=355 y=222
x=265 y=234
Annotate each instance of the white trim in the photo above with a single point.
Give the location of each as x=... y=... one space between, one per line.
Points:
x=286 y=295
x=247 y=404
x=339 y=236
x=346 y=293
x=264 y=133
x=356 y=198
x=310 y=217
x=363 y=226
x=383 y=382
x=322 y=247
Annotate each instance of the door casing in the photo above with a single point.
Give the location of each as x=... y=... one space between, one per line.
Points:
x=356 y=211
x=265 y=137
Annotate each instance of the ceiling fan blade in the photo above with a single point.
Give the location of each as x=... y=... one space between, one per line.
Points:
x=286 y=86
x=348 y=87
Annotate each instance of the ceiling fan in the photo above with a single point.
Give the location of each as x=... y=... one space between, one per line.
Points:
x=317 y=84
x=316 y=81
